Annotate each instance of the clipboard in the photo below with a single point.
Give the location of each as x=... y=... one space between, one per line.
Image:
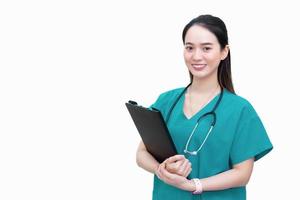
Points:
x=153 y=131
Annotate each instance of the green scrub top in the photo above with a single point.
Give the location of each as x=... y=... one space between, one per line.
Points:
x=238 y=135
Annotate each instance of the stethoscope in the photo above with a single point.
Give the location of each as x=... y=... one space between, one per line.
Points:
x=213 y=122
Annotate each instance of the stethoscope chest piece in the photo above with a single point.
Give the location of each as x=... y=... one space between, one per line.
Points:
x=193 y=153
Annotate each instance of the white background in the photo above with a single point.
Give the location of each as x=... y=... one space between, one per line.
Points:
x=68 y=67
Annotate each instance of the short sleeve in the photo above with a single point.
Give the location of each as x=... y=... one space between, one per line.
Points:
x=251 y=139
x=158 y=102
x=164 y=101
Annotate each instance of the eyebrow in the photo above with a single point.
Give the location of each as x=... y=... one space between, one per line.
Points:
x=204 y=43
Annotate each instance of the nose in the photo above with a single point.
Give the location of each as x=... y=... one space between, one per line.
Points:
x=197 y=54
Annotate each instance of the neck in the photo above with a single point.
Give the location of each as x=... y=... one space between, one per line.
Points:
x=204 y=85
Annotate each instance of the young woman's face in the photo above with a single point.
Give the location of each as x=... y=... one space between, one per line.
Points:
x=202 y=52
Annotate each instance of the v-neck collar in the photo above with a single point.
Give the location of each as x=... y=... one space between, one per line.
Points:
x=208 y=105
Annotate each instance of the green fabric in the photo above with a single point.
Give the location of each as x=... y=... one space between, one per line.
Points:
x=237 y=136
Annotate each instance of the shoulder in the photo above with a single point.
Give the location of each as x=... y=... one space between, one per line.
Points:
x=167 y=97
x=239 y=103
x=171 y=93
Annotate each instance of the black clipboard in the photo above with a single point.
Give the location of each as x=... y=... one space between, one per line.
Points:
x=153 y=131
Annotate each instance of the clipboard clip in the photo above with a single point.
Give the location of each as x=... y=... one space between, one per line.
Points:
x=132 y=102
x=136 y=104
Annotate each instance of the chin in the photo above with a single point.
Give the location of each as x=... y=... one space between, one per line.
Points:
x=197 y=76
x=203 y=74
x=200 y=74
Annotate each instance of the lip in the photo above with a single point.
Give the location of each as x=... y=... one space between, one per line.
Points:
x=198 y=67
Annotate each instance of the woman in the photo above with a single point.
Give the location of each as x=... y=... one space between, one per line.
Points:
x=217 y=133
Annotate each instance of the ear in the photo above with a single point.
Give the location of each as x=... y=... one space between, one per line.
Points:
x=224 y=52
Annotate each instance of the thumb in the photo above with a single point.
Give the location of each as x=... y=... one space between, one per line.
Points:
x=175 y=158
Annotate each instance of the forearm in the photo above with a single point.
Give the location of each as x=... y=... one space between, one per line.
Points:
x=236 y=177
x=146 y=161
x=229 y=179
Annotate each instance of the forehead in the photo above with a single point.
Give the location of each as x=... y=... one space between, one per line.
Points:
x=198 y=34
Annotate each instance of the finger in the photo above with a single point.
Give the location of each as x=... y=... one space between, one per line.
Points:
x=175 y=158
x=172 y=169
x=188 y=172
x=180 y=164
x=178 y=167
x=166 y=174
x=159 y=174
x=185 y=163
x=175 y=165
x=183 y=167
x=172 y=179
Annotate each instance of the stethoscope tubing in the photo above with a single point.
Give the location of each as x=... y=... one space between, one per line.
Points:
x=212 y=112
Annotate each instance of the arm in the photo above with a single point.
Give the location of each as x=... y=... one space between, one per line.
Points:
x=177 y=164
x=236 y=177
x=145 y=160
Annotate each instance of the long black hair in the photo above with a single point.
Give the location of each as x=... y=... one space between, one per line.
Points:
x=216 y=26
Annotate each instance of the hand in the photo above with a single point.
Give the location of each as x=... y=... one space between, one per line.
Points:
x=175 y=180
x=178 y=164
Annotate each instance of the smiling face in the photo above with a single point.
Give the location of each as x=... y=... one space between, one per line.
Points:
x=202 y=52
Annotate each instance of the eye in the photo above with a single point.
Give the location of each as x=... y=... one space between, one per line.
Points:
x=189 y=48
x=206 y=49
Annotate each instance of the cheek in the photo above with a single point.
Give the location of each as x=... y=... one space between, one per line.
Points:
x=213 y=58
x=186 y=56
